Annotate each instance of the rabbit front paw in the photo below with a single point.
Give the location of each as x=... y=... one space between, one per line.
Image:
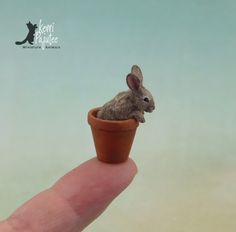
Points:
x=139 y=117
x=142 y=120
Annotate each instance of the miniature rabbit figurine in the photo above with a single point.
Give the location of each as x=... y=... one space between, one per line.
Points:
x=131 y=103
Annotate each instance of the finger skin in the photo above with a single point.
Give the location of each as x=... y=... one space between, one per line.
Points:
x=73 y=201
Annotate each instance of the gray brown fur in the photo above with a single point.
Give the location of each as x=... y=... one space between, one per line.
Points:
x=129 y=104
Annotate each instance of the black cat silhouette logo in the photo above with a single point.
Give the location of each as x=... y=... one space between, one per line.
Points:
x=30 y=35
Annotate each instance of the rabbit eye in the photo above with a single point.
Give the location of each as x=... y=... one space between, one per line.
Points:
x=146 y=99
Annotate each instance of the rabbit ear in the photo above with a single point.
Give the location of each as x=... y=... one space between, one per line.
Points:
x=137 y=72
x=133 y=81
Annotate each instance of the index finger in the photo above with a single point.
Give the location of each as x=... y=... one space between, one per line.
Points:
x=74 y=200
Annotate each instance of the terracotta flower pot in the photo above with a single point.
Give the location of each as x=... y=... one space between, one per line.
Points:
x=112 y=139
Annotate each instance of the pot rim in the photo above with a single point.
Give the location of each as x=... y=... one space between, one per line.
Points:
x=110 y=125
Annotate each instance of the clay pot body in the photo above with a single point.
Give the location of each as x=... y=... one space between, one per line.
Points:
x=113 y=139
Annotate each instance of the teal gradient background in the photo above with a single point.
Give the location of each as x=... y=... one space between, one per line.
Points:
x=185 y=151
